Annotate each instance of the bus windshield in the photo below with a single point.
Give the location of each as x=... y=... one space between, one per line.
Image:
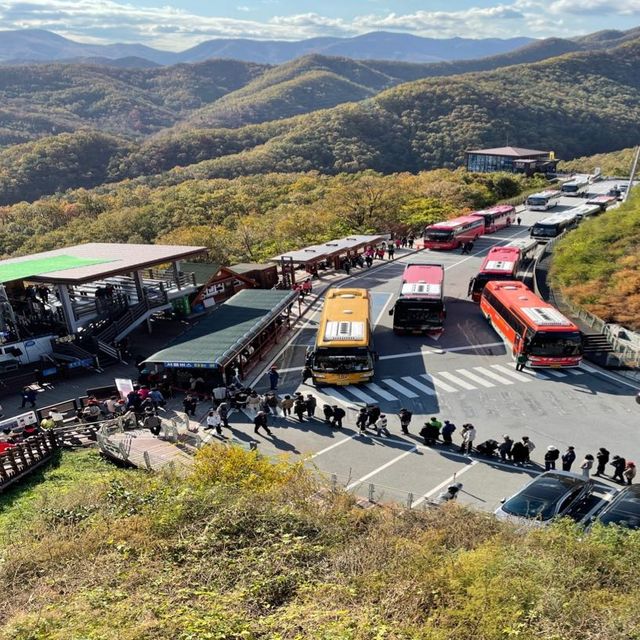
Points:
x=439 y=235
x=418 y=312
x=569 y=188
x=549 y=230
x=342 y=359
x=555 y=344
x=537 y=202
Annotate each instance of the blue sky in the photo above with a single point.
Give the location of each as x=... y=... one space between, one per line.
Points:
x=178 y=24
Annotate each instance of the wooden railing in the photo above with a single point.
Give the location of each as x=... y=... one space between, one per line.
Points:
x=25 y=457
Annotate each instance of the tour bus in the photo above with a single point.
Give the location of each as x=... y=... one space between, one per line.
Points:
x=529 y=325
x=501 y=263
x=451 y=234
x=586 y=211
x=420 y=305
x=576 y=187
x=603 y=201
x=343 y=351
x=527 y=247
x=553 y=226
x=543 y=200
x=496 y=217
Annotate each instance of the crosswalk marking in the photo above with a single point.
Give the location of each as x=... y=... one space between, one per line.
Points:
x=555 y=374
x=510 y=372
x=359 y=393
x=575 y=372
x=418 y=385
x=459 y=381
x=383 y=393
x=534 y=373
x=438 y=383
x=399 y=388
x=495 y=376
x=336 y=395
x=475 y=378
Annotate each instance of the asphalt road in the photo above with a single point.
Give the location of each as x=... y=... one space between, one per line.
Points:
x=465 y=376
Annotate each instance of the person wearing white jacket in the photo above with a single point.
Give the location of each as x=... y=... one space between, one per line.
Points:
x=380 y=425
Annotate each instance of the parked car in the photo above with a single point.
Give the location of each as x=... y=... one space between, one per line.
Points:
x=550 y=495
x=624 y=509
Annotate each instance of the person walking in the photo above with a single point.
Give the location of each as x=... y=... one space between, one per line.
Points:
x=405 y=420
x=381 y=426
x=189 y=404
x=391 y=251
x=306 y=374
x=550 y=457
x=310 y=404
x=629 y=472
x=327 y=409
x=287 y=405
x=338 y=414
x=362 y=420
x=274 y=376
x=586 y=465
x=529 y=446
x=223 y=412
x=253 y=402
x=519 y=220
x=431 y=431
x=260 y=422
x=29 y=395
x=619 y=464
x=505 y=447
x=468 y=436
x=373 y=411
x=519 y=453
x=568 y=458
x=299 y=408
x=214 y=422
x=447 y=432
x=521 y=361
x=602 y=457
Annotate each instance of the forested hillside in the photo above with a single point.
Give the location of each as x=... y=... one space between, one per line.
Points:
x=251 y=218
x=616 y=163
x=597 y=266
x=243 y=548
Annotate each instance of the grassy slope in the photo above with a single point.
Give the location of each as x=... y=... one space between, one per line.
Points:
x=248 y=550
x=616 y=163
x=597 y=266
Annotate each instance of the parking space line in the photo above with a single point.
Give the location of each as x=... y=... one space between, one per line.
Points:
x=333 y=446
x=418 y=385
x=475 y=378
x=355 y=483
x=359 y=393
x=459 y=381
x=399 y=388
x=380 y=391
x=495 y=376
x=438 y=383
x=510 y=372
x=446 y=483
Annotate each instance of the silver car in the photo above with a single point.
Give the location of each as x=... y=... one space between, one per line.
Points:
x=624 y=509
x=550 y=495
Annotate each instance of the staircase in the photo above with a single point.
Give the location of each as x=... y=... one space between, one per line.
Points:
x=597 y=348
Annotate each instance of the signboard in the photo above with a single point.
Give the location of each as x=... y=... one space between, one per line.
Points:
x=124 y=386
x=85 y=362
x=191 y=365
x=18 y=423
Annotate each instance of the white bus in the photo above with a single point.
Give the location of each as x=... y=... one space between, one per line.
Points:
x=586 y=210
x=577 y=187
x=543 y=200
x=527 y=246
x=553 y=226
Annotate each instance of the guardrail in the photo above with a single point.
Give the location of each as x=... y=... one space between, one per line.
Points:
x=25 y=457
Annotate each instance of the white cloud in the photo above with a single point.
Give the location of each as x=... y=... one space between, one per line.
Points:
x=171 y=28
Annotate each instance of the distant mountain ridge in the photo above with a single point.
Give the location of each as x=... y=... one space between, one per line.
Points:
x=35 y=45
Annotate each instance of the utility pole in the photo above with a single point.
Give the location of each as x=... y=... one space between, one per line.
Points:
x=634 y=166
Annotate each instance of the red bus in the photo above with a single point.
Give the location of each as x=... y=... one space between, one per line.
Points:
x=451 y=234
x=420 y=305
x=603 y=201
x=501 y=263
x=497 y=217
x=530 y=325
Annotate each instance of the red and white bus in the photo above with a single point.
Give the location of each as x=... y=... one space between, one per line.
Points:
x=603 y=201
x=530 y=325
x=420 y=304
x=496 y=217
x=501 y=263
x=451 y=234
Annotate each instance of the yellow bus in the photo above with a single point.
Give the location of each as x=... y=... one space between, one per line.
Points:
x=344 y=344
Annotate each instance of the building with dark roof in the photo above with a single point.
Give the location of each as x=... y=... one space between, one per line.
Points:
x=511 y=159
